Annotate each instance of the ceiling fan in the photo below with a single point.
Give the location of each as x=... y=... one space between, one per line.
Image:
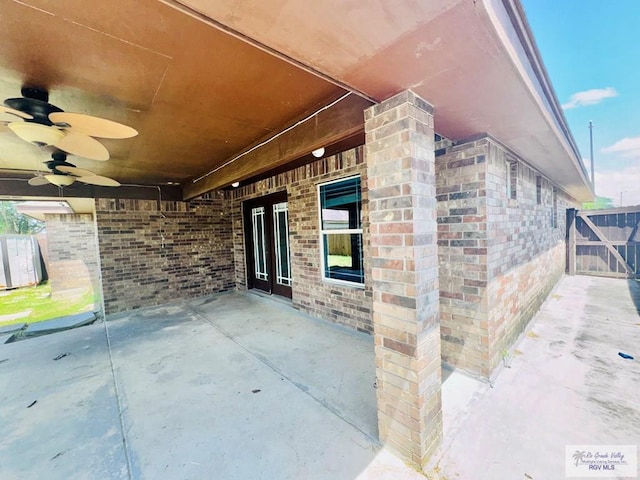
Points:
x=64 y=174
x=45 y=124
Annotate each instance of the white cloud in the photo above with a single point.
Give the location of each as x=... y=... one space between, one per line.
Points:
x=627 y=147
x=590 y=97
x=626 y=181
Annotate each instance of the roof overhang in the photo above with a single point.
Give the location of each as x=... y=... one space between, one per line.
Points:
x=475 y=61
x=39 y=208
x=218 y=89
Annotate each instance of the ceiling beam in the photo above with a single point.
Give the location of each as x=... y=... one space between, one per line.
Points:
x=17 y=188
x=345 y=119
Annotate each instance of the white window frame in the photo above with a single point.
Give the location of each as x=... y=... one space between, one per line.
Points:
x=323 y=232
x=511 y=177
x=554 y=208
x=507 y=174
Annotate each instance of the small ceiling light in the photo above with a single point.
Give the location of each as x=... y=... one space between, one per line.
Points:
x=318 y=152
x=35 y=133
x=235 y=184
x=60 y=180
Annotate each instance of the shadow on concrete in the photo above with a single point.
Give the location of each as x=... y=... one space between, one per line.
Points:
x=634 y=291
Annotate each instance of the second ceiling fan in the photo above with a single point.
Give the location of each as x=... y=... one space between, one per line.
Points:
x=64 y=174
x=44 y=124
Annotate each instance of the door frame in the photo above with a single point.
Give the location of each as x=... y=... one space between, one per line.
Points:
x=271 y=285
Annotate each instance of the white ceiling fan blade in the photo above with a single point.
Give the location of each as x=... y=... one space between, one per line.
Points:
x=83 y=146
x=15 y=112
x=99 y=181
x=93 y=126
x=37 y=181
x=78 y=172
x=36 y=133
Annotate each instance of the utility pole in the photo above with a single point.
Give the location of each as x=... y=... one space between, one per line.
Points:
x=593 y=178
x=623 y=191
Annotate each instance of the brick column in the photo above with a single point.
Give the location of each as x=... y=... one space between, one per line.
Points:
x=403 y=251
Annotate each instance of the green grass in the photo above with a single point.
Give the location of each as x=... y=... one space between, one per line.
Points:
x=40 y=304
x=339 y=261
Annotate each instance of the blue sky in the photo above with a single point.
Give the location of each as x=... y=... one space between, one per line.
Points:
x=591 y=49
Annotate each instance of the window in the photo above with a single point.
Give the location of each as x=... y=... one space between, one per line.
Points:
x=507 y=183
x=538 y=189
x=554 y=209
x=511 y=173
x=341 y=231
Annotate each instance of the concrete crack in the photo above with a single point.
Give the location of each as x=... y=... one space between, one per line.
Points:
x=125 y=445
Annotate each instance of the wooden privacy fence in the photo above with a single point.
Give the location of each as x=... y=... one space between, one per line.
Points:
x=604 y=242
x=340 y=245
x=20 y=262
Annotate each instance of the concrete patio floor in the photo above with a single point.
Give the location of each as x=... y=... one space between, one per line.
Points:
x=236 y=386
x=566 y=385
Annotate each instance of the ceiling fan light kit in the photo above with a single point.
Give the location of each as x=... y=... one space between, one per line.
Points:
x=60 y=180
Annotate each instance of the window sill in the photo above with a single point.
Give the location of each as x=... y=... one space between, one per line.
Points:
x=342 y=283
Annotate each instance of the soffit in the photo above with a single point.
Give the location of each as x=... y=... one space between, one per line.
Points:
x=466 y=57
x=196 y=95
x=203 y=81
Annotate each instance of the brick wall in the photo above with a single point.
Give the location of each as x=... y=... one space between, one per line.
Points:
x=404 y=258
x=72 y=255
x=462 y=254
x=500 y=252
x=527 y=252
x=151 y=255
x=341 y=304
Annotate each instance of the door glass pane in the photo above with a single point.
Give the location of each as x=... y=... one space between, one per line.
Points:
x=281 y=234
x=259 y=244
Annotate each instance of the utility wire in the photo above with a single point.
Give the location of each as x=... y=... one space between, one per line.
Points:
x=271 y=139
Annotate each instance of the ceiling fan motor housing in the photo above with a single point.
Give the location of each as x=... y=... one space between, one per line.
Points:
x=35 y=104
x=58 y=159
x=37 y=93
